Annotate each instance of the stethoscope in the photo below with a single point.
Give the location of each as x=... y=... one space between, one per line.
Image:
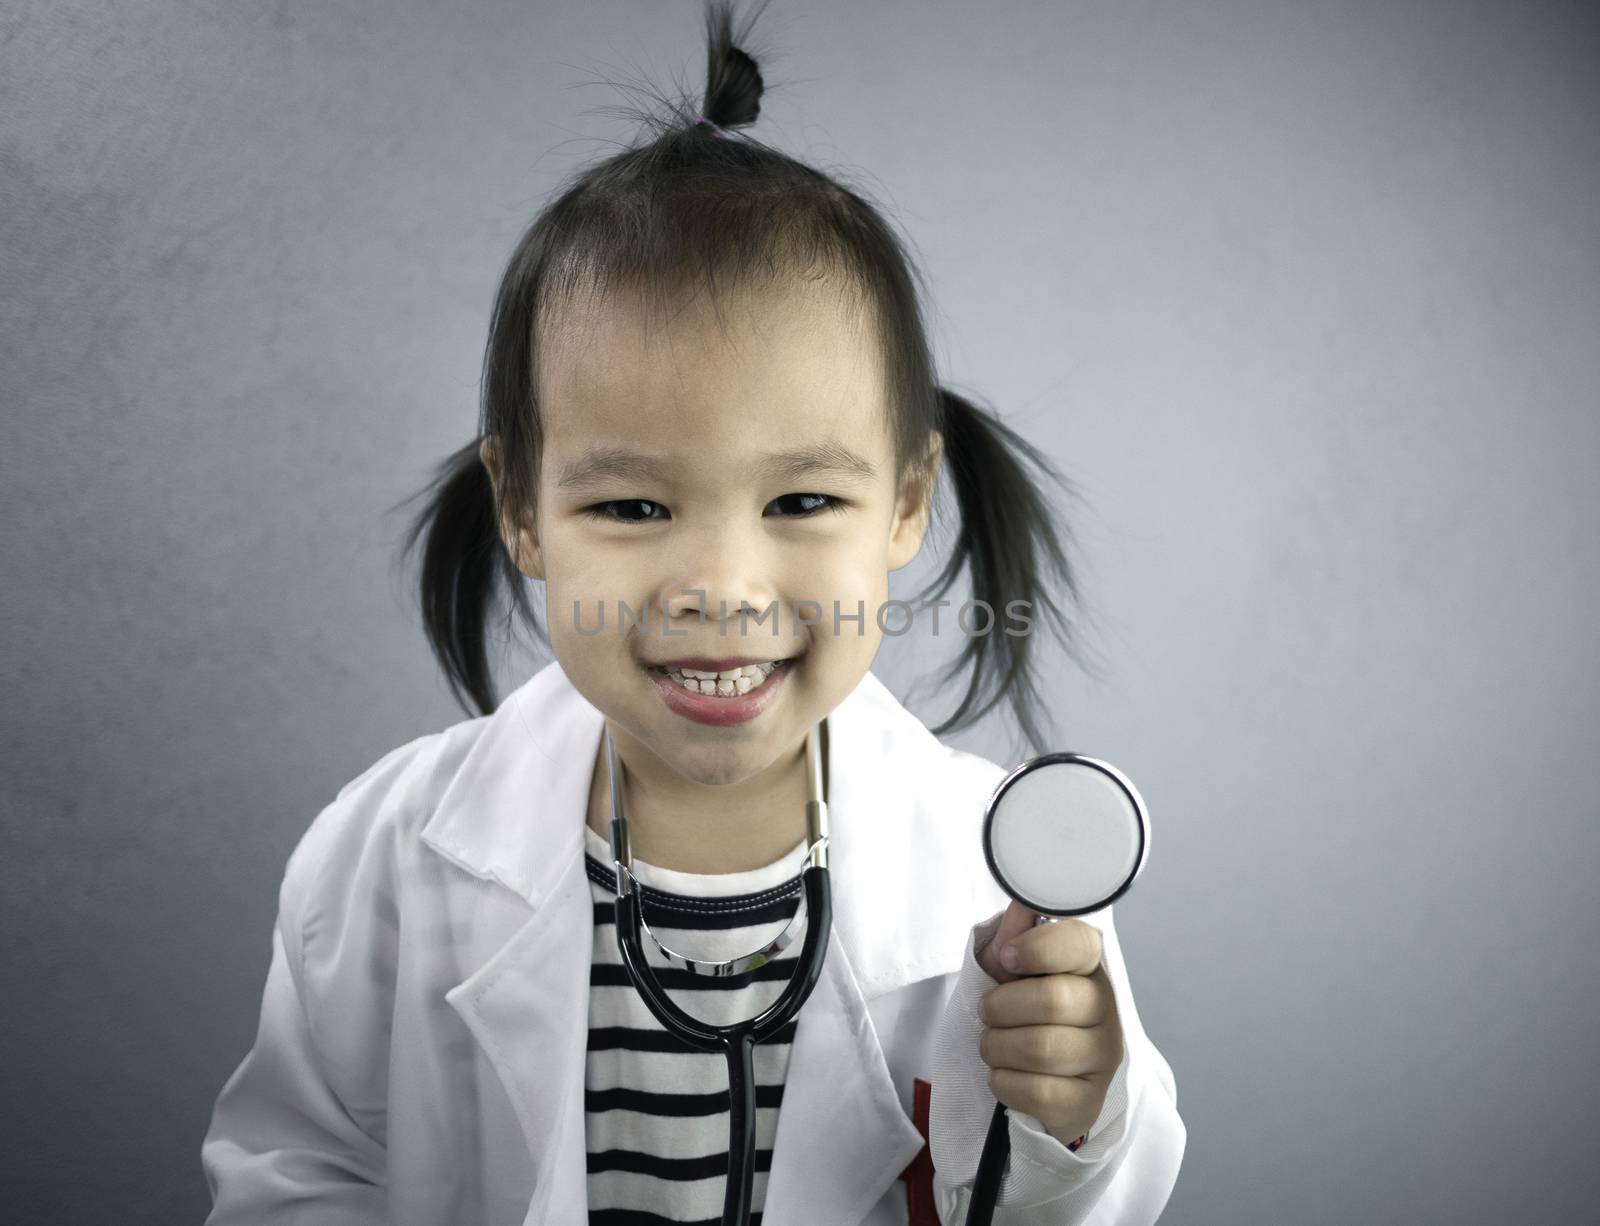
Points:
x=736 y=1042
x=1064 y=834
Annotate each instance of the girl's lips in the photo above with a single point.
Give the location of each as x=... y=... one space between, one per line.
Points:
x=717 y=709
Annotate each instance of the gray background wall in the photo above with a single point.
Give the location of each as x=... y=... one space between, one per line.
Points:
x=1304 y=295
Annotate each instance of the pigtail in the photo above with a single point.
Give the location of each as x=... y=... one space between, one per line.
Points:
x=1011 y=541
x=463 y=561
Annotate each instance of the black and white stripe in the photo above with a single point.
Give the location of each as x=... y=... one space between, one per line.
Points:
x=656 y=1110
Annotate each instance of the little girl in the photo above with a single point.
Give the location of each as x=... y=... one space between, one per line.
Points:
x=711 y=428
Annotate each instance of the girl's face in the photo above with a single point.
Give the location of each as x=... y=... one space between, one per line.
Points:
x=690 y=475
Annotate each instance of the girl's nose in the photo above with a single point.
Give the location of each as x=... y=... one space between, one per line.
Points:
x=720 y=580
x=706 y=600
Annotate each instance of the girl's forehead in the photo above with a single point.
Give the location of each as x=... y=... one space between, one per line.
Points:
x=769 y=369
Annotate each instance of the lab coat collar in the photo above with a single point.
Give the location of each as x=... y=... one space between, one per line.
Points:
x=514 y=814
x=900 y=811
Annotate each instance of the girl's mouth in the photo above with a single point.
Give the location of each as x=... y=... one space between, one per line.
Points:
x=728 y=696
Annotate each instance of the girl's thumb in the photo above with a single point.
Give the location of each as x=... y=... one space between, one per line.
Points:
x=1016 y=920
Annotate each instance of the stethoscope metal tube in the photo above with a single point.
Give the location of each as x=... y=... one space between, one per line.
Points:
x=736 y=1042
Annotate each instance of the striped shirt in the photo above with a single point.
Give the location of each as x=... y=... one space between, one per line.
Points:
x=655 y=1109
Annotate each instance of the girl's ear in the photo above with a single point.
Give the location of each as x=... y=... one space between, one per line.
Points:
x=521 y=543
x=915 y=507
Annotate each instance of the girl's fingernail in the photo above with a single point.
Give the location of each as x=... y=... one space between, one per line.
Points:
x=1009 y=958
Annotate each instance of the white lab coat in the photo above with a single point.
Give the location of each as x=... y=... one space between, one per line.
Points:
x=420 y=1054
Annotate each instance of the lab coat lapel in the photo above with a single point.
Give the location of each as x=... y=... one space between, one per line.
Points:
x=528 y=1008
x=514 y=814
x=905 y=815
x=842 y=1136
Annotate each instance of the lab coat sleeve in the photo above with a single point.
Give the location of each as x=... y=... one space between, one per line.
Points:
x=282 y=1146
x=1121 y=1176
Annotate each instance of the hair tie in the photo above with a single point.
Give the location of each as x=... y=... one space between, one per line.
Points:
x=716 y=128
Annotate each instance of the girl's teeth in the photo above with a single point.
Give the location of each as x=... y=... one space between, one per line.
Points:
x=727 y=683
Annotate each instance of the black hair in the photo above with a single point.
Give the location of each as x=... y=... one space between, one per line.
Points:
x=700 y=202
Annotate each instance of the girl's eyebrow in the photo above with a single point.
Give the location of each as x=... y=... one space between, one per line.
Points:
x=831 y=459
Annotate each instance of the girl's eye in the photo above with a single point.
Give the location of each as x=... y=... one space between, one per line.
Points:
x=603 y=510
x=637 y=510
x=814 y=503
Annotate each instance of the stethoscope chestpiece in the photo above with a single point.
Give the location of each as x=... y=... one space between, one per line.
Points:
x=1064 y=835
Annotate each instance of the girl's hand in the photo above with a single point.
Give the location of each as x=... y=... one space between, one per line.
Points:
x=1051 y=1036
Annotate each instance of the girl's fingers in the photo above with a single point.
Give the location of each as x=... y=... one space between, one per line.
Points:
x=1041 y=1000
x=1061 y=1104
x=1016 y=921
x=1067 y=945
x=1062 y=1051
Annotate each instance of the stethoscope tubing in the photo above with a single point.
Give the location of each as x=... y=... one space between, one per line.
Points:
x=737 y=1041
x=991 y=1167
